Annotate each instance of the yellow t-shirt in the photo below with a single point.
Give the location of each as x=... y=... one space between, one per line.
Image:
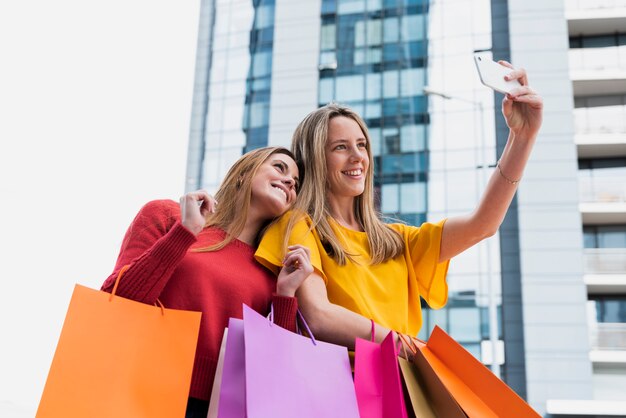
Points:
x=389 y=293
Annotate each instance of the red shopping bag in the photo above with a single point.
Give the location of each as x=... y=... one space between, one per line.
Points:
x=377 y=379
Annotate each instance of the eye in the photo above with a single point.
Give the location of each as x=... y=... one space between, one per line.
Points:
x=340 y=147
x=362 y=144
x=281 y=167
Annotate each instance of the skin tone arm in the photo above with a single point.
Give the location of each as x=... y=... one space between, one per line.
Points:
x=522 y=110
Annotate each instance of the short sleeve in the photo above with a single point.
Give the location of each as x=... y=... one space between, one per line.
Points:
x=424 y=246
x=271 y=251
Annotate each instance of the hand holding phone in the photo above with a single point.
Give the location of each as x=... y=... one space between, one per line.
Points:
x=492 y=75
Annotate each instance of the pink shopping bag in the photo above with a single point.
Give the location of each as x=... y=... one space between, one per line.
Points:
x=377 y=379
x=272 y=372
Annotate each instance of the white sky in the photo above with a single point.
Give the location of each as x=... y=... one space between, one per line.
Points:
x=95 y=103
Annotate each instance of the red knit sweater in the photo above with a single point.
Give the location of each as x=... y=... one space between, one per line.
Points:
x=215 y=283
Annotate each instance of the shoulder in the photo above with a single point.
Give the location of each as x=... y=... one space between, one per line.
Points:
x=158 y=213
x=409 y=231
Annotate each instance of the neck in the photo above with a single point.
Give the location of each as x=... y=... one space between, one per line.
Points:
x=342 y=211
x=250 y=230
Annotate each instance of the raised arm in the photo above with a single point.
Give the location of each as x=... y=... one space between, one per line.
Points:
x=522 y=110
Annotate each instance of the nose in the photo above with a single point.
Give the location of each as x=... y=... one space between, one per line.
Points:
x=289 y=182
x=355 y=154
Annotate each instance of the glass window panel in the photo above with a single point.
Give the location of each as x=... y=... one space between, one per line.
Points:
x=359 y=56
x=391 y=31
x=391 y=143
x=328 y=37
x=264 y=16
x=375 y=141
x=262 y=64
x=215 y=116
x=412 y=138
x=210 y=167
x=233 y=115
x=391 y=164
x=465 y=324
x=260 y=84
x=359 y=33
x=328 y=59
x=329 y=6
x=412 y=82
x=373 y=5
x=413 y=27
x=373 y=110
x=326 y=90
x=350 y=88
x=373 y=86
x=351 y=6
x=389 y=196
x=374 y=32
x=413 y=197
x=238 y=65
x=259 y=114
x=218 y=66
x=390 y=84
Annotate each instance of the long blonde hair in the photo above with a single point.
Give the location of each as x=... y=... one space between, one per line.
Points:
x=309 y=148
x=235 y=193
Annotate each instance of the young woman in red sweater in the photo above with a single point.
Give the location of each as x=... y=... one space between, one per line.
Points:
x=199 y=255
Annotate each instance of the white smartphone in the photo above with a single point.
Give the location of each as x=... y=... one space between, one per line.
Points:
x=492 y=75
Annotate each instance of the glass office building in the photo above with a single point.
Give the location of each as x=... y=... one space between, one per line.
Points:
x=517 y=301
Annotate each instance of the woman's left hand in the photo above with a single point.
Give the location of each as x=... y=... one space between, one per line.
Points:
x=296 y=268
x=523 y=107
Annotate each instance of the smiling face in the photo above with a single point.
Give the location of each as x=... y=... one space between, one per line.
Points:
x=273 y=188
x=347 y=158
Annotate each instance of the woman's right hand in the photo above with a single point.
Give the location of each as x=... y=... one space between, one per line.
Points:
x=194 y=208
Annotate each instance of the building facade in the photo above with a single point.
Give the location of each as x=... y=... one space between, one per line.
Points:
x=518 y=301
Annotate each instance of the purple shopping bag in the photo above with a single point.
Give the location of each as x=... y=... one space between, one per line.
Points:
x=271 y=372
x=232 y=394
x=377 y=379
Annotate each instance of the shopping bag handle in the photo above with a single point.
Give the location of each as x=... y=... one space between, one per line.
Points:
x=308 y=330
x=117 y=282
x=409 y=342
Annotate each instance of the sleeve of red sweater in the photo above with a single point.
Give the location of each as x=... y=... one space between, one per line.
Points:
x=153 y=246
x=285 y=311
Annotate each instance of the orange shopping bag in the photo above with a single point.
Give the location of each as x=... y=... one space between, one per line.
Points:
x=120 y=358
x=444 y=365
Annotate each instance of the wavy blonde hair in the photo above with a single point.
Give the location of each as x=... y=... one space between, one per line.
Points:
x=234 y=195
x=309 y=148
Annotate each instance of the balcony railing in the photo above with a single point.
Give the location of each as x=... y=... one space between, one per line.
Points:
x=602 y=189
x=600 y=120
x=605 y=260
x=593 y=4
x=610 y=58
x=607 y=336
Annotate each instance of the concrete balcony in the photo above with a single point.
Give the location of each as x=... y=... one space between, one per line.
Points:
x=600 y=131
x=594 y=17
x=602 y=200
x=598 y=71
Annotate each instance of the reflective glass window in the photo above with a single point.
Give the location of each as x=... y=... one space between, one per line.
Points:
x=350 y=88
x=413 y=197
x=390 y=199
x=412 y=138
x=390 y=84
x=413 y=27
x=327 y=90
x=391 y=30
x=328 y=36
x=350 y=6
x=412 y=82
x=262 y=64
